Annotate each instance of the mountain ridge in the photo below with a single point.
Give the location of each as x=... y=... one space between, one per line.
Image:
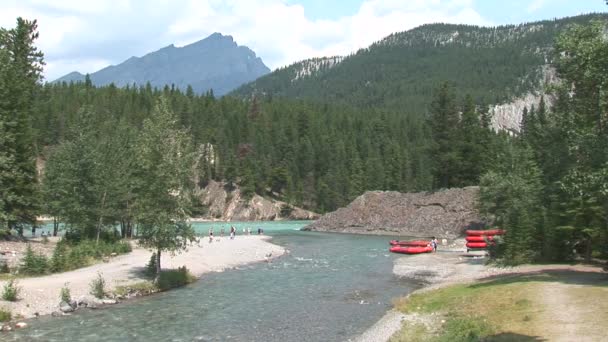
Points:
x=495 y=65
x=215 y=63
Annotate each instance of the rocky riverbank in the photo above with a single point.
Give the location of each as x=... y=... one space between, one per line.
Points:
x=445 y=214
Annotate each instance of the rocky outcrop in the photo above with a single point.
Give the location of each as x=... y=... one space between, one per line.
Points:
x=229 y=205
x=445 y=213
x=507 y=116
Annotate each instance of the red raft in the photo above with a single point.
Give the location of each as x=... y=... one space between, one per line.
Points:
x=479 y=238
x=415 y=243
x=476 y=245
x=485 y=232
x=410 y=249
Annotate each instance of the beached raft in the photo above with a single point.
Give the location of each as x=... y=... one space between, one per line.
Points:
x=479 y=238
x=471 y=232
x=477 y=245
x=410 y=249
x=414 y=243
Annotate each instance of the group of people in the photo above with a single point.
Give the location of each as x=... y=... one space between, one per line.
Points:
x=246 y=231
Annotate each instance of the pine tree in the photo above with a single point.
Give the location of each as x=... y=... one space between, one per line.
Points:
x=443 y=121
x=164 y=162
x=22 y=72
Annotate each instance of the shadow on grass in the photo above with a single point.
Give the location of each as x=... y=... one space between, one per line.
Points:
x=508 y=337
x=572 y=277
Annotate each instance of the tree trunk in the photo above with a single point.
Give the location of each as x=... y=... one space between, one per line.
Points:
x=103 y=202
x=55 y=226
x=588 y=250
x=157 y=278
x=123 y=229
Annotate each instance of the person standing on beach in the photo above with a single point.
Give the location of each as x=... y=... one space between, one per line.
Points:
x=434 y=244
x=211 y=235
x=222 y=232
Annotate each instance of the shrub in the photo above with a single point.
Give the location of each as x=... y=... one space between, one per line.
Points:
x=59 y=259
x=151 y=266
x=69 y=255
x=5 y=315
x=174 y=278
x=465 y=330
x=11 y=291
x=98 y=287
x=33 y=264
x=4 y=268
x=65 y=294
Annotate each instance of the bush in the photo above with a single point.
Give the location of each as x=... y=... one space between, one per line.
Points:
x=175 y=278
x=5 y=315
x=465 y=330
x=69 y=255
x=59 y=259
x=151 y=266
x=65 y=294
x=4 y=268
x=98 y=287
x=11 y=291
x=33 y=264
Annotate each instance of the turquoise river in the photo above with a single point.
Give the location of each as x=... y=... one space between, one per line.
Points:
x=330 y=287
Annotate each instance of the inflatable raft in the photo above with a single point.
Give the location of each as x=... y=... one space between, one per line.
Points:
x=479 y=238
x=485 y=232
x=410 y=249
x=415 y=243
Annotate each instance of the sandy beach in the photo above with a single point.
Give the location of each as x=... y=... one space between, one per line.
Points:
x=40 y=295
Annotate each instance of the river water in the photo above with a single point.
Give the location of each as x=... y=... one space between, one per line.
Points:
x=330 y=287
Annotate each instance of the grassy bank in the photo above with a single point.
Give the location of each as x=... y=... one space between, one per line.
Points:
x=524 y=307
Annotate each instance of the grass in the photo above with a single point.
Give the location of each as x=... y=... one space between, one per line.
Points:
x=142 y=288
x=5 y=315
x=471 y=313
x=509 y=308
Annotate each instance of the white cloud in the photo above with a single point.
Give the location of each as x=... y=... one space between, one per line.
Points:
x=84 y=35
x=535 y=5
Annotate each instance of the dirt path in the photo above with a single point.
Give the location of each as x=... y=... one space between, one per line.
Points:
x=573 y=307
x=41 y=294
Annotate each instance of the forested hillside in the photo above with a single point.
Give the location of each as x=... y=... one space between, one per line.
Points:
x=400 y=72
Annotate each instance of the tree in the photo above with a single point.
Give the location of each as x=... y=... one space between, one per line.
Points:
x=510 y=196
x=443 y=121
x=164 y=166
x=22 y=72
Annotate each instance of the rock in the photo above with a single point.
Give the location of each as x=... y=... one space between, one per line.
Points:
x=108 y=301
x=73 y=304
x=65 y=307
x=227 y=204
x=6 y=327
x=21 y=325
x=56 y=313
x=444 y=213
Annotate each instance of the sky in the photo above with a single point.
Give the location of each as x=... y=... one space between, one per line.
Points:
x=85 y=36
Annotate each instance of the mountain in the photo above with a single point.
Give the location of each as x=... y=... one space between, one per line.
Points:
x=215 y=62
x=400 y=72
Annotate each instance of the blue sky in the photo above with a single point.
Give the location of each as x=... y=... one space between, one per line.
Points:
x=88 y=35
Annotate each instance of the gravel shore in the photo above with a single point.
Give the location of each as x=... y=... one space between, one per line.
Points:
x=450 y=265
x=40 y=295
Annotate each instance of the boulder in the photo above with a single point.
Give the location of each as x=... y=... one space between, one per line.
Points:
x=21 y=325
x=65 y=307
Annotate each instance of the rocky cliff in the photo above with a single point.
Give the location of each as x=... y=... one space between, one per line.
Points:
x=445 y=213
x=229 y=205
